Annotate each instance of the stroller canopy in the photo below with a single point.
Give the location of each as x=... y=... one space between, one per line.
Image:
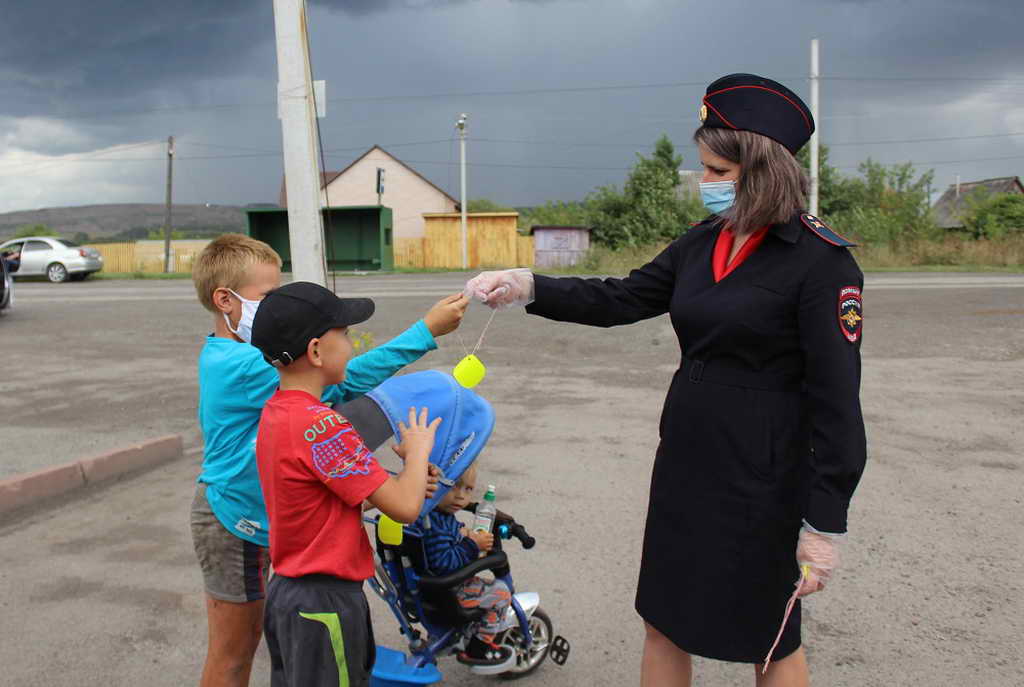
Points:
x=467 y=420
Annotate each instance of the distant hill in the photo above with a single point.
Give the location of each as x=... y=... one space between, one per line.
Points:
x=108 y=221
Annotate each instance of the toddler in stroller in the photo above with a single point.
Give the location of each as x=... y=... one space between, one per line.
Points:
x=449 y=546
x=424 y=600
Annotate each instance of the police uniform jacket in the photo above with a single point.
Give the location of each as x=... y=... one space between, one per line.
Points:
x=761 y=429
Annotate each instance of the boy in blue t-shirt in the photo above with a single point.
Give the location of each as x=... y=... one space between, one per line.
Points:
x=228 y=516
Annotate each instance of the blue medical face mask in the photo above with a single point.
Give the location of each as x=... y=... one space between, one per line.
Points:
x=244 y=331
x=718 y=196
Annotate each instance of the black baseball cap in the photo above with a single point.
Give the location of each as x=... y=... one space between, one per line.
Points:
x=753 y=103
x=289 y=317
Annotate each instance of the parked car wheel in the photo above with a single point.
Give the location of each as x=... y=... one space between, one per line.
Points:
x=57 y=273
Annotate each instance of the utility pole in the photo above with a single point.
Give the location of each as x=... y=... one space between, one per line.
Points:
x=815 y=137
x=300 y=142
x=167 y=208
x=461 y=125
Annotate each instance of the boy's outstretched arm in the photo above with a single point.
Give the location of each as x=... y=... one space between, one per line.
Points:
x=368 y=370
x=401 y=497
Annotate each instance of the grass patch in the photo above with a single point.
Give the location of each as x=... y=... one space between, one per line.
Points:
x=140 y=275
x=602 y=260
x=950 y=254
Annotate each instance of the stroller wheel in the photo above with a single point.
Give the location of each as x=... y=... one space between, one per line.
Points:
x=528 y=659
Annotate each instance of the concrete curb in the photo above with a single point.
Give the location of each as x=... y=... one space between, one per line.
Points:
x=24 y=490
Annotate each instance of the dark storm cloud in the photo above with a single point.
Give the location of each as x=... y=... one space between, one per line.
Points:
x=64 y=57
x=118 y=72
x=370 y=6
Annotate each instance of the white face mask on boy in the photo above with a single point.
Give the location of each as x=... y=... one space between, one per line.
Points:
x=244 y=331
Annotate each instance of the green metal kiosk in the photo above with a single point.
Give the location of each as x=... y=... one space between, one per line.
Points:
x=356 y=238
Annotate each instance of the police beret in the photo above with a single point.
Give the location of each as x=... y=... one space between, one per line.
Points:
x=753 y=103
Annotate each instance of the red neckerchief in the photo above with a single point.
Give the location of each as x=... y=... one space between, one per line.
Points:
x=723 y=246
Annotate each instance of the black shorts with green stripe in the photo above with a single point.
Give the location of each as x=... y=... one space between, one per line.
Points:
x=318 y=632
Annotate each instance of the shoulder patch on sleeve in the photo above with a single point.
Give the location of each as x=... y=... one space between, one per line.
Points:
x=851 y=313
x=825 y=232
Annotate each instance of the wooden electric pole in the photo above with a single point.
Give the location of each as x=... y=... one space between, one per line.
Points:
x=300 y=141
x=167 y=209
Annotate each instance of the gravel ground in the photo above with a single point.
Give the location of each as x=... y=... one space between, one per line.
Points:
x=102 y=588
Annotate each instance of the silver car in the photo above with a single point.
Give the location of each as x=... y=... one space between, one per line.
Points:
x=54 y=258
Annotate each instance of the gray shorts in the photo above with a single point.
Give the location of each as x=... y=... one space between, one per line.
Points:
x=234 y=569
x=318 y=632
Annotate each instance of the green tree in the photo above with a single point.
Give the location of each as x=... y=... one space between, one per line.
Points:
x=80 y=237
x=486 y=205
x=556 y=214
x=665 y=155
x=158 y=234
x=887 y=203
x=992 y=215
x=34 y=230
x=648 y=209
x=834 y=192
x=884 y=204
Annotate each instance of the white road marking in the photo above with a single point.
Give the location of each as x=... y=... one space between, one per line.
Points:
x=398 y=287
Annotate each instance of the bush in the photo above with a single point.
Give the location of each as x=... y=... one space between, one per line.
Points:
x=33 y=230
x=1005 y=253
x=993 y=215
x=555 y=213
x=486 y=205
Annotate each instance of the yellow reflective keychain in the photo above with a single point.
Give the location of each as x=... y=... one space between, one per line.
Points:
x=470 y=371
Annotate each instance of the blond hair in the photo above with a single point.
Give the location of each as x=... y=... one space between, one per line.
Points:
x=466 y=474
x=225 y=263
x=772 y=186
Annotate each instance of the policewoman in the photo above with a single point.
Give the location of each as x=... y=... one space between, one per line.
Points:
x=762 y=437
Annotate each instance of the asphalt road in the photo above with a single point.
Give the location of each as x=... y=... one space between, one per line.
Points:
x=103 y=589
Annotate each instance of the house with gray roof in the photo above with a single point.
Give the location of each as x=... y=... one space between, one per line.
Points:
x=950 y=207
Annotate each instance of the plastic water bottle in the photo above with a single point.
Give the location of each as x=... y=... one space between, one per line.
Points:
x=486 y=512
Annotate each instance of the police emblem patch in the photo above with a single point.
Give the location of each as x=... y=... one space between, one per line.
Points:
x=851 y=313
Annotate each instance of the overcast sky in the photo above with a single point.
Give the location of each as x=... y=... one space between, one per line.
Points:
x=561 y=94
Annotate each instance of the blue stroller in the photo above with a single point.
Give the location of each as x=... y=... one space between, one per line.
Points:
x=426 y=607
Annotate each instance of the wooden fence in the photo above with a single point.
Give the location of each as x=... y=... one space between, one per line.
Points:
x=147 y=257
x=491 y=241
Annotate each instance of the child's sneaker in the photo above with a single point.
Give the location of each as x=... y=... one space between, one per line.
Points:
x=481 y=653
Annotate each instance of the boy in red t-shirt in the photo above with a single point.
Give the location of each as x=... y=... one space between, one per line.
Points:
x=316 y=472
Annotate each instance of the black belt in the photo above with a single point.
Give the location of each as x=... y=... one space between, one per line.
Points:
x=717 y=372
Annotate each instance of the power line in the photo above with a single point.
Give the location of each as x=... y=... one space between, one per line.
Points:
x=564 y=143
x=524 y=91
x=986 y=79
x=923 y=140
x=517 y=166
x=531 y=91
x=939 y=162
x=85 y=157
x=224 y=147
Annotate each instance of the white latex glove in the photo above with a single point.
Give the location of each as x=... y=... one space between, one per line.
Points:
x=820 y=553
x=502 y=289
